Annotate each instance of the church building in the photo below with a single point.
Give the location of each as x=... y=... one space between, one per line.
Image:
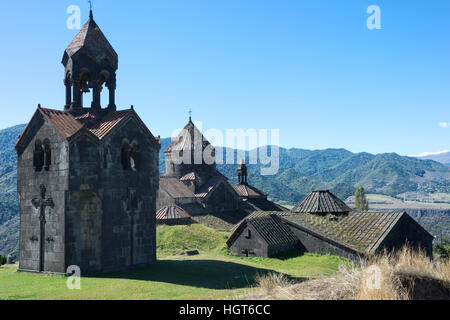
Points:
x=87 y=175
x=191 y=180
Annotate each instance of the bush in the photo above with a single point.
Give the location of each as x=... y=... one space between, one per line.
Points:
x=442 y=248
x=2 y=260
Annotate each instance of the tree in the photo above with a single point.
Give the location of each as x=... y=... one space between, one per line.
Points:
x=361 y=202
x=442 y=248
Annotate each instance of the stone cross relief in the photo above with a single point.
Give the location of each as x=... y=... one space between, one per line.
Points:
x=41 y=203
x=131 y=205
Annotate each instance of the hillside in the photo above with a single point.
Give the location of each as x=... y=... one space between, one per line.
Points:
x=175 y=276
x=442 y=157
x=300 y=172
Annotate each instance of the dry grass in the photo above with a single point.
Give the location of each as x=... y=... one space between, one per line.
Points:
x=402 y=275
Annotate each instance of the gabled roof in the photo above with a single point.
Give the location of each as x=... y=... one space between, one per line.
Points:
x=258 y=214
x=359 y=231
x=68 y=125
x=209 y=186
x=263 y=204
x=175 y=188
x=269 y=227
x=191 y=176
x=172 y=213
x=321 y=202
x=91 y=38
x=247 y=191
x=190 y=138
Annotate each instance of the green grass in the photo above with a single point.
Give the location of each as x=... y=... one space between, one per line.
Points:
x=214 y=274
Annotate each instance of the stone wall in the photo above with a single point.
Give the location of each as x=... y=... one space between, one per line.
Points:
x=255 y=244
x=129 y=200
x=55 y=181
x=316 y=244
x=407 y=231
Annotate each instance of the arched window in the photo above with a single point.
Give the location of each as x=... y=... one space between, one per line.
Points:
x=134 y=156
x=48 y=154
x=38 y=156
x=125 y=154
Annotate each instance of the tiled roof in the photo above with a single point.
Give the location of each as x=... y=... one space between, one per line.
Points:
x=63 y=121
x=94 y=41
x=360 y=231
x=321 y=202
x=105 y=125
x=171 y=213
x=175 y=188
x=269 y=227
x=247 y=191
x=263 y=204
x=209 y=186
x=68 y=125
x=190 y=176
x=258 y=214
x=190 y=138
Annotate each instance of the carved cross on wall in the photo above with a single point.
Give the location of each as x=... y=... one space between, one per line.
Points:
x=41 y=204
x=131 y=206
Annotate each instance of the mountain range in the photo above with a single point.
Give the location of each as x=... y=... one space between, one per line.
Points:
x=300 y=171
x=442 y=157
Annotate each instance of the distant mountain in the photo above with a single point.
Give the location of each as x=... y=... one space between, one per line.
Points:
x=442 y=157
x=301 y=171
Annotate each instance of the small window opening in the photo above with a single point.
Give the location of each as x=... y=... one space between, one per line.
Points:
x=47 y=154
x=38 y=156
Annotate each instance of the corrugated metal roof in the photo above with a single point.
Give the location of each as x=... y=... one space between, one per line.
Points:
x=172 y=213
x=321 y=202
x=360 y=231
x=175 y=188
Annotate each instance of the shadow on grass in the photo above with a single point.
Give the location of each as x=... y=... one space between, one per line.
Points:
x=210 y=274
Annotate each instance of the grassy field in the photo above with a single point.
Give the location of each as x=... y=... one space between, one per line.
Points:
x=377 y=201
x=214 y=274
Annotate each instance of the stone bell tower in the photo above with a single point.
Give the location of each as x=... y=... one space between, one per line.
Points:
x=90 y=63
x=87 y=176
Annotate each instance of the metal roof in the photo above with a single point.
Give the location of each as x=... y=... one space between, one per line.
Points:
x=321 y=202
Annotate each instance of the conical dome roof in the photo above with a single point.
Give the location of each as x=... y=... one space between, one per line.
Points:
x=321 y=202
x=92 y=39
x=189 y=139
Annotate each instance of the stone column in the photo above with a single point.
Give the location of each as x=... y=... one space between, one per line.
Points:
x=68 y=94
x=112 y=95
x=77 y=97
x=95 y=104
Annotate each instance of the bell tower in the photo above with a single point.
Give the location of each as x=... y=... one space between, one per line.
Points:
x=90 y=63
x=242 y=173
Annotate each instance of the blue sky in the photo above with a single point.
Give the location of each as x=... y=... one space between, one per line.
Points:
x=311 y=69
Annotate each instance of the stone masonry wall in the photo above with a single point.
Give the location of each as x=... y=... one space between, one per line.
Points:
x=55 y=181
